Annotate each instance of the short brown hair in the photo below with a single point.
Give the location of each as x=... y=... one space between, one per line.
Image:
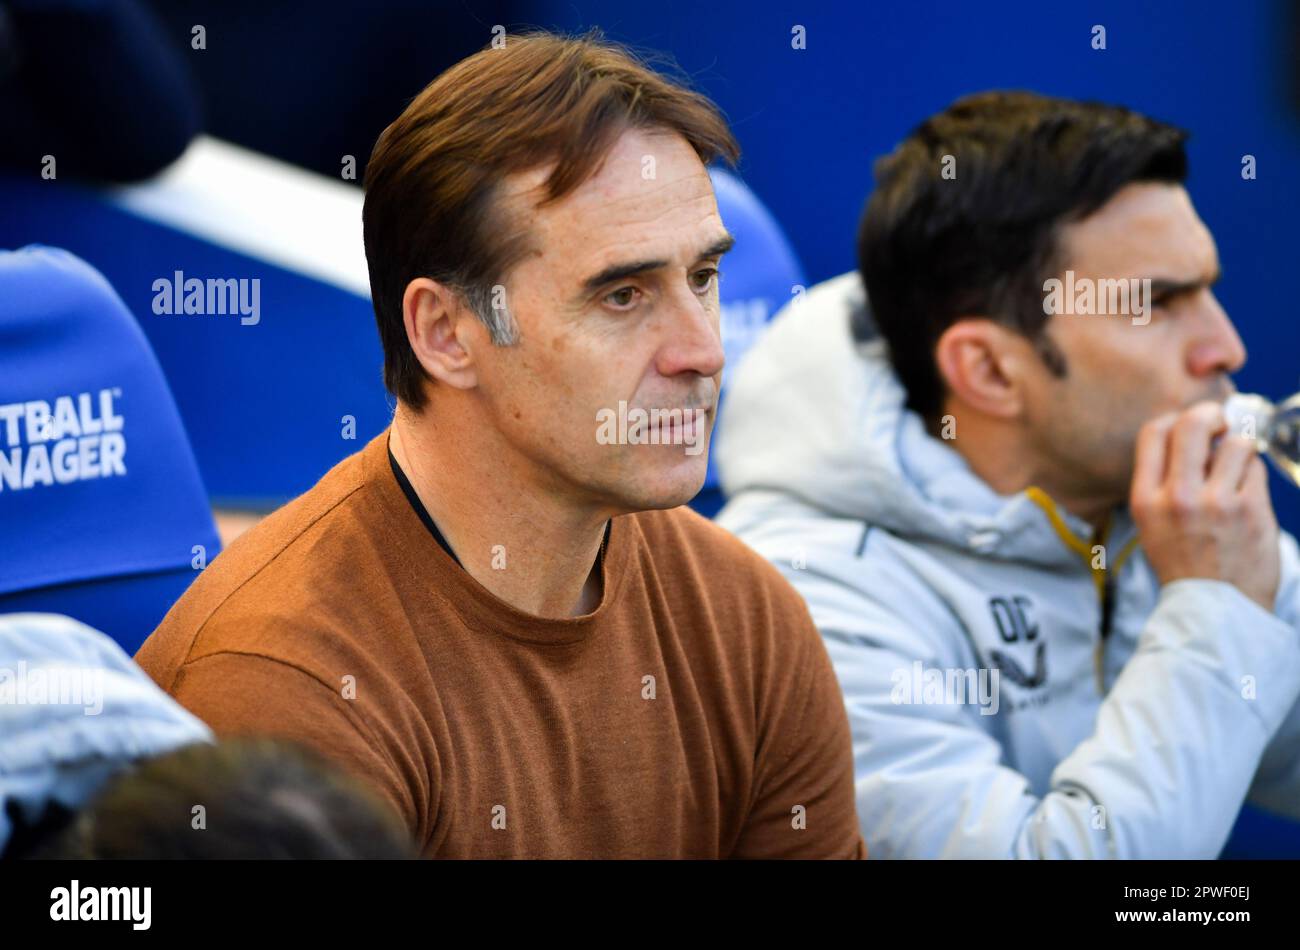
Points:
x=930 y=253
x=434 y=173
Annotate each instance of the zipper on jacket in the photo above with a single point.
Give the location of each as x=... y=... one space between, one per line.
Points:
x=1107 y=615
x=1102 y=577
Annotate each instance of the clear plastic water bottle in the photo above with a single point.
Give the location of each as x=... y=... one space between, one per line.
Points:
x=1275 y=428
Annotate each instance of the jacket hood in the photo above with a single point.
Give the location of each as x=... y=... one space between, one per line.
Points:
x=815 y=411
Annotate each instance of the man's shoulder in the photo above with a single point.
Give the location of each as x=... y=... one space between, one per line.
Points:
x=855 y=575
x=272 y=583
x=327 y=516
x=782 y=526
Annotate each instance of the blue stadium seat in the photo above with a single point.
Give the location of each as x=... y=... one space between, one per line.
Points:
x=759 y=277
x=103 y=515
x=290 y=384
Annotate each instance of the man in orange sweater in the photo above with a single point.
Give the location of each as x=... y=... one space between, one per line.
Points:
x=497 y=612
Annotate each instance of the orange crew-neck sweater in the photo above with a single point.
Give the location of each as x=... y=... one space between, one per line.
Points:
x=693 y=714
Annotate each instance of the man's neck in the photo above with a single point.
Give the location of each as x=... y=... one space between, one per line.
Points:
x=1002 y=458
x=523 y=544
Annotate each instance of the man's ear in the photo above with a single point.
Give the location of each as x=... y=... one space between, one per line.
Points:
x=983 y=365
x=441 y=331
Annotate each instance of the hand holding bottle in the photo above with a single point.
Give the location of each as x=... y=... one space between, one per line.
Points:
x=1200 y=500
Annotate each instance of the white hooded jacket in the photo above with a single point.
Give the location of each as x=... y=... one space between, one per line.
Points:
x=990 y=715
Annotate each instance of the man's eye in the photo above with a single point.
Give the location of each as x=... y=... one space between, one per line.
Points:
x=623 y=297
x=703 y=279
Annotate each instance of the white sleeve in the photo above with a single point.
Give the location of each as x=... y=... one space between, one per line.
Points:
x=1163 y=774
x=1277 y=782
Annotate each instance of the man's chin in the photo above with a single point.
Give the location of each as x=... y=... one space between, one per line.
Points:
x=672 y=490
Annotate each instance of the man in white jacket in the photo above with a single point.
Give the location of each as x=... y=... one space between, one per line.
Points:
x=1051 y=582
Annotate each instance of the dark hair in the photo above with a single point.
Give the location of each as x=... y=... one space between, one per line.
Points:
x=431 y=180
x=933 y=249
x=261 y=799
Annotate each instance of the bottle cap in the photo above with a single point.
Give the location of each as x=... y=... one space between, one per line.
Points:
x=1249 y=415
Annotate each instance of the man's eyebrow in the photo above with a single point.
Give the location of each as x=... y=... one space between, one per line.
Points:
x=719 y=247
x=1162 y=287
x=631 y=268
x=618 y=272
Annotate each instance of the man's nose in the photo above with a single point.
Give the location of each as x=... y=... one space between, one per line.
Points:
x=694 y=343
x=1218 y=348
